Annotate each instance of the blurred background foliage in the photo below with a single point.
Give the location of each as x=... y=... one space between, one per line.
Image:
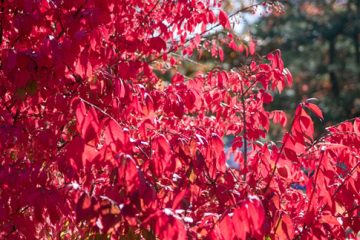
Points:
x=319 y=40
x=320 y=45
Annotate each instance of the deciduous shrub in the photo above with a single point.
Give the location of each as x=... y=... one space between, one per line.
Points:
x=94 y=143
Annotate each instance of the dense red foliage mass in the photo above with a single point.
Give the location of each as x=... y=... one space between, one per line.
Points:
x=93 y=142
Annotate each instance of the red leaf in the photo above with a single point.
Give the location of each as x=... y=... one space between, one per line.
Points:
x=179 y=197
x=224 y=20
x=87 y=122
x=74 y=154
x=83 y=66
x=256 y=214
x=190 y=99
x=303 y=125
x=278 y=117
x=114 y=134
x=237 y=143
x=240 y=218
x=286 y=228
x=252 y=47
x=221 y=54
x=178 y=106
x=227 y=228
x=162 y=143
x=357 y=125
x=267 y=98
x=276 y=60
x=157 y=43
x=84 y=208
x=119 y=88
x=288 y=76
x=161 y=153
x=307 y=126
x=328 y=218
x=177 y=78
x=222 y=79
x=128 y=173
x=148 y=108
x=166 y=225
x=214 y=48
x=315 y=109
x=218 y=147
x=251 y=217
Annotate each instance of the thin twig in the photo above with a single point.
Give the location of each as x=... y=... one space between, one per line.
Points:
x=245 y=9
x=101 y=110
x=244 y=131
x=172 y=49
x=332 y=197
x=345 y=179
x=279 y=154
x=188 y=59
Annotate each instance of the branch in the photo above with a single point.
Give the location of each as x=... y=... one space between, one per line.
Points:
x=245 y=9
x=278 y=157
x=101 y=110
x=241 y=10
x=332 y=196
x=345 y=179
x=244 y=136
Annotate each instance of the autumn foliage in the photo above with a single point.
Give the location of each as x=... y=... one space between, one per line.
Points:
x=93 y=143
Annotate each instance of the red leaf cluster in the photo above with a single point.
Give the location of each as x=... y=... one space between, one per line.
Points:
x=94 y=144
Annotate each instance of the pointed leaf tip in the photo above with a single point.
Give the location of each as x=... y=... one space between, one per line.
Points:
x=224 y=20
x=315 y=109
